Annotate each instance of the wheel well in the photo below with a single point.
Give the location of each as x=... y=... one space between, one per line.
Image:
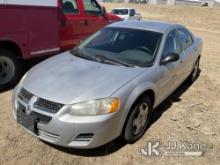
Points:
x=11 y=46
x=150 y=94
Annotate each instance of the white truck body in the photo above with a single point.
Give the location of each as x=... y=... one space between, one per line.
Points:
x=127 y=13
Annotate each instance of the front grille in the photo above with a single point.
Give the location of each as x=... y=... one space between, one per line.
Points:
x=41 y=118
x=24 y=95
x=41 y=104
x=47 y=106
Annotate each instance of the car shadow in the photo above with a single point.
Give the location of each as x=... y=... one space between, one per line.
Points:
x=118 y=143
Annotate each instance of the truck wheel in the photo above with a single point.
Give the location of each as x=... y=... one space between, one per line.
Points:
x=10 y=69
x=138 y=120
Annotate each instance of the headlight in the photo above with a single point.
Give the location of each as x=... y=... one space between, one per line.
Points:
x=95 y=107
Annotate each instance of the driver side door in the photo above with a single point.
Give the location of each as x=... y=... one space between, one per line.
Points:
x=72 y=28
x=93 y=16
x=169 y=76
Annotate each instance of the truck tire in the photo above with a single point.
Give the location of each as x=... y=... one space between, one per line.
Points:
x=10 y=69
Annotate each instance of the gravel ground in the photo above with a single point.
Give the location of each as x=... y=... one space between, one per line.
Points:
x=190 y=114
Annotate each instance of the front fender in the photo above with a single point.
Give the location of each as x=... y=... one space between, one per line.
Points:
x=138 y=91
x=128 y=97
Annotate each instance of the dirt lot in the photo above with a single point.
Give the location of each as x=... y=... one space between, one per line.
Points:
x=191 y=114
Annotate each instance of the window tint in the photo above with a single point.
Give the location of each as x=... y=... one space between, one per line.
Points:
x=172 y=44
x=70 y=7
x=185 y=38
x=92 y=7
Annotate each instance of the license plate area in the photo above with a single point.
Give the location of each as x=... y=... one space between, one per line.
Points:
x=27 y=121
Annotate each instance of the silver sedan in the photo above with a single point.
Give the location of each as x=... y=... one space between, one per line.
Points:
x=108 y=85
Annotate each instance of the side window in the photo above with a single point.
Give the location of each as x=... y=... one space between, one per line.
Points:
x=185 y=38
x=172 y=44
x=132 y=12
x=69 y=7
x=92 y=7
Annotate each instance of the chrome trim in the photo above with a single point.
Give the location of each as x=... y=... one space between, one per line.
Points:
x=45 y=51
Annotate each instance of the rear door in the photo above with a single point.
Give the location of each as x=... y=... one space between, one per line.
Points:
x=93 y=16
x=188 y=56
x=72 y=23
x=42 y=26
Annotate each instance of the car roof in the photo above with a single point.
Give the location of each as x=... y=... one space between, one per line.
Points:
x=157 y=26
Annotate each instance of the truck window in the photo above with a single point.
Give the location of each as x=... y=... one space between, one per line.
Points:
x=69 y=7
x=92 y=7
x=132 y=12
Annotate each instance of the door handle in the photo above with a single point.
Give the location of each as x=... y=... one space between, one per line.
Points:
x=86 y=22
x=63 y=23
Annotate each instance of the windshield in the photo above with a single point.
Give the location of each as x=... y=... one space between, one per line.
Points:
x=120 y=11
x=120 y=46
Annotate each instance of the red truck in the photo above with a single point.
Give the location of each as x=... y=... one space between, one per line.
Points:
x=29 y=29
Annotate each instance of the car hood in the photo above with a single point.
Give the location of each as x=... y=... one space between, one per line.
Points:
x=69 y=79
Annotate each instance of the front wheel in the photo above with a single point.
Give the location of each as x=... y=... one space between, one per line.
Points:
x=138 y=120
x=10 y=69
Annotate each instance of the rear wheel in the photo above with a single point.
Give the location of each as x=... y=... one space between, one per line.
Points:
x=195 y=72
x=10 y=69
x=138 y=119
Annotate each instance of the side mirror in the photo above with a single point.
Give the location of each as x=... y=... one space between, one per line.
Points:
x=171 y=57
x=103 y=11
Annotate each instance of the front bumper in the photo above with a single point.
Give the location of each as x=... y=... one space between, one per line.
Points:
x=73 y=131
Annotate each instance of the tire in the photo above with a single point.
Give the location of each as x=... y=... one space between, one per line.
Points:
x=10 y=69
x=195 y=72
x=131 y=132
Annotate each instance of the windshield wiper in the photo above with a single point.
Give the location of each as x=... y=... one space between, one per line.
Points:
x=112 y=61
x=79 y=53
x=99 y=58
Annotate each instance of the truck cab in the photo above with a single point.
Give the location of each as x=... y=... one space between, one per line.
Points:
x=80 y=19
x=44 y=27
